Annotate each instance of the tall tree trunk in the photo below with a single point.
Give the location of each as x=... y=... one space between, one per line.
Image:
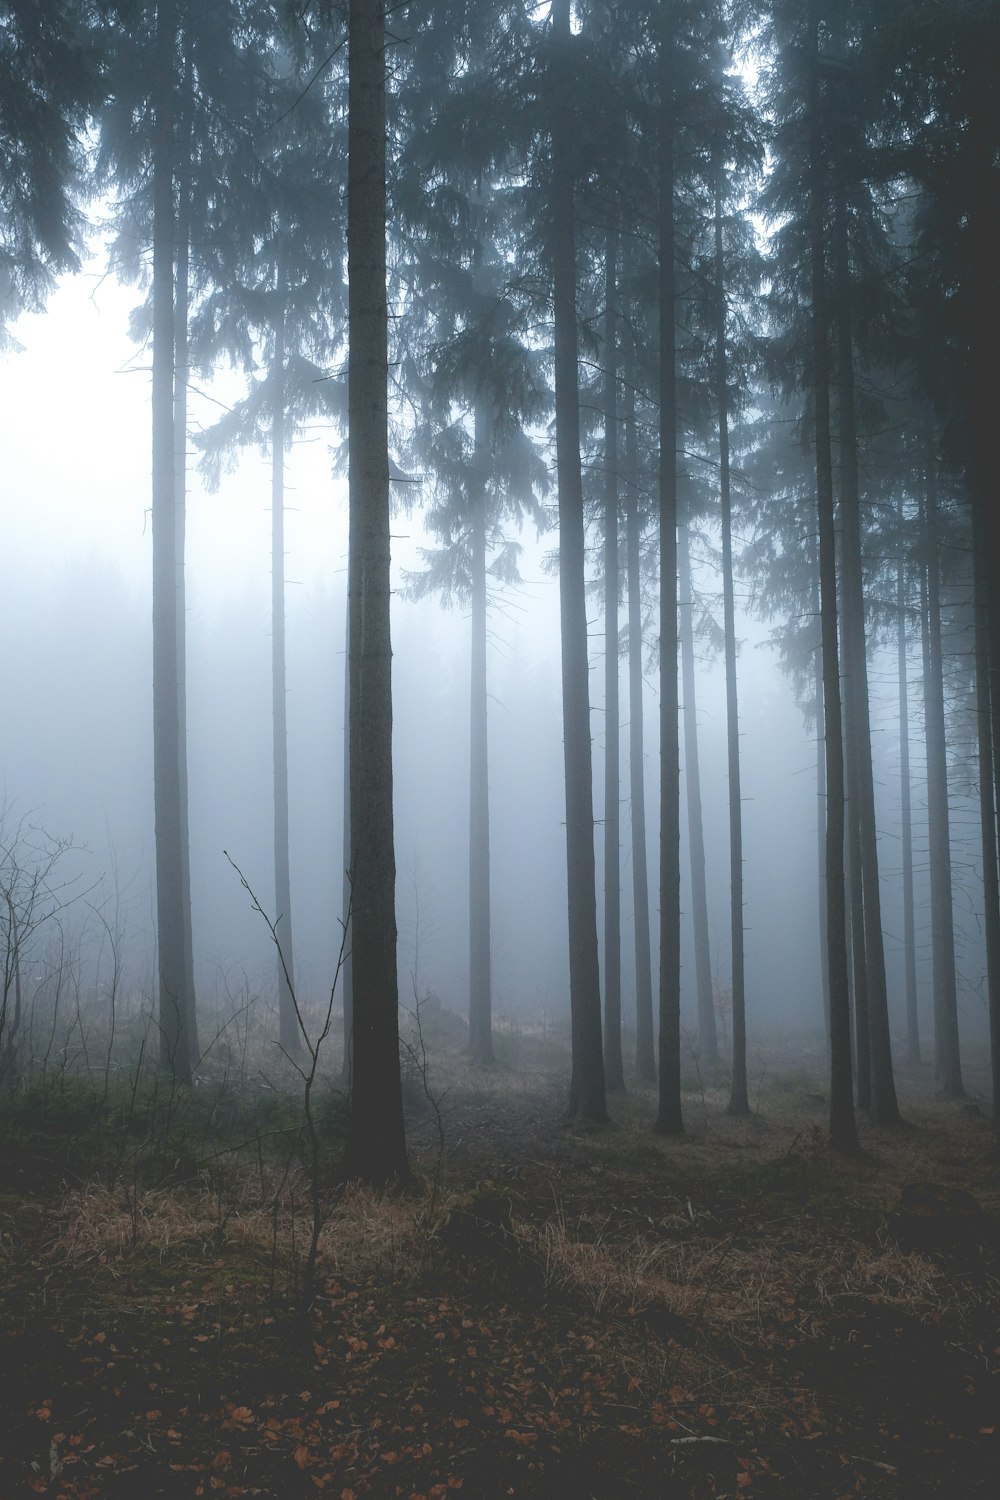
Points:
x=289 y=1036
x=587 y=1086
x=984 y=303
x=884 y=1107
x=669 y=1118
x=707 y=1039
x=181 y=295
x=843 y=1128
x=376 y=1143
x=987 y=806
x=175 y=1003
x=984 y=300
x=10 y=980
x=856 y=932
x=947 y=1058
x=613 y=1064
x=820 y=798
x=925 y=662
x=480 y=987
x=739 y=1102
x=346 y=976
x=906 y=818
x=645 y=1055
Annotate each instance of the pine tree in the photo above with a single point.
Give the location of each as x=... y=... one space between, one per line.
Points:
x=669 y=1116
x=181 y=84
x=270 y=289
x=376 y=1143
x=50 y=81
x=587 y=1085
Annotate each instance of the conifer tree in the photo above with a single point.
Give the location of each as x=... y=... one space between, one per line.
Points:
x=50 y=80
x=376 y=1145
x=270 y=292
x=181 y=83
x=473 y=379
x=587 y=1085
x=669 y=1117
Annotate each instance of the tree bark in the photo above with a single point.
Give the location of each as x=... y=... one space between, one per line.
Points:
x=347 y=968
x=175 y=1002
x=820 y=800
x=984 y=300
x=883 y=1105
x=376 y=1145
x=707 y=1039
x=947 y=1058
x=613 y=1063
x=987 y=806
x=739 y=1101
x=669 y=1118
x=480 y=986
x=856 y=930
x=181 y=295
x=843 y=1127
x=906 y=818
x=587 y=1085
x=645 y=1055
x=289 y=1036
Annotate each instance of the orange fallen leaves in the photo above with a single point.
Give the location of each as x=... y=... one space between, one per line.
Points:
x=239 y=1416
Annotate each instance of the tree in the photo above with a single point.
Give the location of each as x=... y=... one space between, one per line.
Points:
x=645 y=1060
x=934 y=66
x=182 y=86
x=376 y=1143
x=34 y=890
x=843 y=1131
x=906 y=819
x=587 y=1085
x=669 y=1118
x=739 y=1102
x=947 y=1058
x=178 y=1043
x=271 y=294
x=613 y=1063
x=50 y=79
x=868 y=919
x=707 y=1038
x=987 y=810
x=476 y=386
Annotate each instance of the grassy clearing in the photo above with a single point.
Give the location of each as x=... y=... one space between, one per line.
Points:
x=550 y=1310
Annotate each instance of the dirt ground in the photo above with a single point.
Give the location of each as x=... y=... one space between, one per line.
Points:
x=551 y=1310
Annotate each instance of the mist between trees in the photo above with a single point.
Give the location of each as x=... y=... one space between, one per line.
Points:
x=664 y=383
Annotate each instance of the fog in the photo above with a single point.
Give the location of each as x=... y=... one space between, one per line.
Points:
x=77 y=744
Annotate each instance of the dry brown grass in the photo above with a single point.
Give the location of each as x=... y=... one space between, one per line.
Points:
x=766 y=1266
x=366 y=1234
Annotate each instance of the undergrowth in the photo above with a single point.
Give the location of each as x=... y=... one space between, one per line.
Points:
x=574 y=1306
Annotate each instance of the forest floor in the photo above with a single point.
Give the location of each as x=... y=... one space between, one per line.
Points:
x=552 y=1310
